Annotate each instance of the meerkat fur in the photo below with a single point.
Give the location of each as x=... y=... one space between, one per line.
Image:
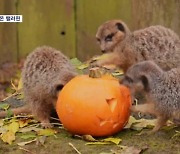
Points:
x=125 y=48
x=161 y=89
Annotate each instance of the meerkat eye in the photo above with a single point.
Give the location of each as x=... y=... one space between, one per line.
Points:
x=129 y=79
x=109 y=37
x=59 y=87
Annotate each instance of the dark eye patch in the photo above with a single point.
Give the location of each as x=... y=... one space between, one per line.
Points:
x=128 y=79
x=109 y=37
x=59 y=87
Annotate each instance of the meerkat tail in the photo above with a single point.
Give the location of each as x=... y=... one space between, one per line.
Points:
x=16 y=111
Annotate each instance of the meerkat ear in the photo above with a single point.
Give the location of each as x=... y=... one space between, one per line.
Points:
x=145 y=83
x=120 y=27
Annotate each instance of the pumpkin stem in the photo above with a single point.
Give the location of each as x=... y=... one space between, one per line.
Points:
x=95 y=72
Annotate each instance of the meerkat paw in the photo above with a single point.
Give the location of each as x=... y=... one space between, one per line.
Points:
x=46 y=125
x=95 y=63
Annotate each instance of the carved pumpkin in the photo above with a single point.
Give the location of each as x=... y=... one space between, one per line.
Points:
x=94 y=106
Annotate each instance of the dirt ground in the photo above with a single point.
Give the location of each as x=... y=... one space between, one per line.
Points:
x=159 y=143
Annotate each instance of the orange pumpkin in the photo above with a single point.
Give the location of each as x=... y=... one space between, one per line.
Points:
x=94 y=106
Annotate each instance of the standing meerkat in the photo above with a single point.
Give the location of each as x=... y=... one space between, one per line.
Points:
x=125 y=48
x=161 y=89
x=46 y=71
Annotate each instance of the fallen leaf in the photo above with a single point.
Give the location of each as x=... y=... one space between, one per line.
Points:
x=8 y=137
x=140 y=123
x=117 y=73
x=20 y=85
x=131 y=121
x=24 y=122
x=47 y=132
x=27 y=142
x=20 y=96
x=83 y=66
x=28 y=129
x=177 y=134
x=41 y=140
x=4 y=106
x=75 y=62
x=3 y=130
x=103 y=56
x=98 y=143
x=143 y=123
x=109 y=140
x=113 y=140
x=13 y=127
x=1 y=122
x=27 y=136
x=88 y=138
x=131 y=150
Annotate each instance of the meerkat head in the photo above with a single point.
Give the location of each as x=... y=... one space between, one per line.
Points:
x=64 y=78
x=139 y=76
x=110 y=34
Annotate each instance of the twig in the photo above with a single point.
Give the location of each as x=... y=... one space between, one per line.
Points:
x=58 y=124
x=55 y=118
x=26 y=150
x=19 y=116
x=74 y=148
x=10 y=96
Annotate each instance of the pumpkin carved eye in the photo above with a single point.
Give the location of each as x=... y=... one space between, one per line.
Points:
x=109 y=37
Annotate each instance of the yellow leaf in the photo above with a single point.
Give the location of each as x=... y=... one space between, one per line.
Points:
x=8 y=137
x=47 y=132
x=103 y=56
x=1 y=122
x=113 y=140
x=83 y=66
x=98 y=143
x=131 y=121
x=177 y=134
x=28 y=129
x=3 y=130
x=28 y=135
x=109 y=140
x=13 y=127
x=20 y=85
x=20 y=96
x=24 y=122
x=144 y=123
x=139 y=124
x=118 y=73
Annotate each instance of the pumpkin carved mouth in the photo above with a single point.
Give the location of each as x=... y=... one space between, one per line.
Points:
x=112 y=103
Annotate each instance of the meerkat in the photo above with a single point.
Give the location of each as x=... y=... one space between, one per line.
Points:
x=45 y=72
x=161 y=89
x=125 y=48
